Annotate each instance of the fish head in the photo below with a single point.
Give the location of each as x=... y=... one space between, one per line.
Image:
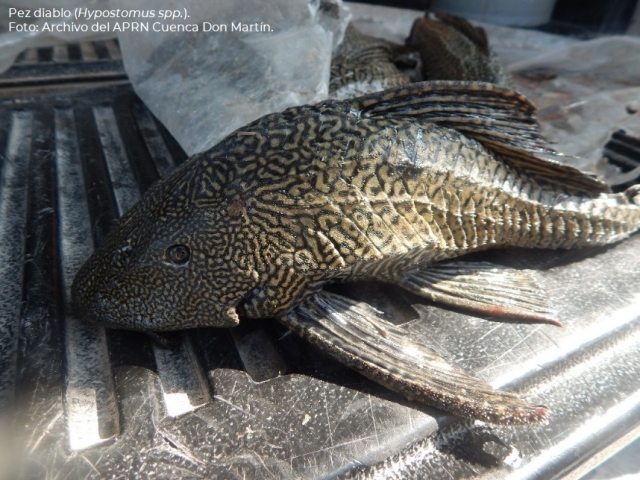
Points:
x=167 y=263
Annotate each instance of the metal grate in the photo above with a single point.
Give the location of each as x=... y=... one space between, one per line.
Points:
x=88 y=61
x=71 y=52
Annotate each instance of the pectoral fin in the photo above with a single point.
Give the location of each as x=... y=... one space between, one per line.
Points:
x=482 y=287
x=358 y=336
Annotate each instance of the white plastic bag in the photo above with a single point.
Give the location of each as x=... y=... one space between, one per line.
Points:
x=203 y=85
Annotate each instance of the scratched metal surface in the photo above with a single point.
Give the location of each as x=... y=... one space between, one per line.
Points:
x=257 y=402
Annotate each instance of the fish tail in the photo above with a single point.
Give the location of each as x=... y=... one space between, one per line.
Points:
x=578 y=222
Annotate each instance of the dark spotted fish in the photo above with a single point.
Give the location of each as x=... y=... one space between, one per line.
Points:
x=451 y=48
x=365 y=64
x=388 y=187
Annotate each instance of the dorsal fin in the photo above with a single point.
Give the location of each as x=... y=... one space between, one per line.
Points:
x=501 y=119
x=475 y=34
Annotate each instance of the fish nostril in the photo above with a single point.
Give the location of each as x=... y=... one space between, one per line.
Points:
x=98 y=305
x=122 y=256
x=101 y=302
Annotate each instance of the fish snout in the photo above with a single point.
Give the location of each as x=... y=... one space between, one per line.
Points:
x=87 y=303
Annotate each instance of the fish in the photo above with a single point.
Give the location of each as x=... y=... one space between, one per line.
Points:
x=391 y=187
x=451 y=48
x=363 y=64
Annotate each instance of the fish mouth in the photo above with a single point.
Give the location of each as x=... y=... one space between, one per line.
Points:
x=95 y=308
x=101 y=309
x=95 y=302
x=101 y=312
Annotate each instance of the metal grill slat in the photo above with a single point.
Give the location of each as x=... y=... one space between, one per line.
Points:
x=88 y=51
x=156 y=145
x=90 y=400
x=13 y=217
x=113 y=48
x=60 y=53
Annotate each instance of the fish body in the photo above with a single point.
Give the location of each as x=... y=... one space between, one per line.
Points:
x=451 y=48
x=364 y=64
x=386 y=187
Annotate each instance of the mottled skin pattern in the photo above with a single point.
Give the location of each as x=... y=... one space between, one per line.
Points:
x=372 y=188
x=451 y=48
x=364 y=64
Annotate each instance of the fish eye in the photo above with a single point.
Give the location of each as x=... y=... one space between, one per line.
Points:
x=178 y=254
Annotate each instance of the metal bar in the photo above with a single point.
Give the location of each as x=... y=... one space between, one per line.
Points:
x=88 y=52
x=60 y=53
x=90 y=400
x=112 y=47
x=13 y=218
x=158 y=149
x=30 y=56
x=259 y=356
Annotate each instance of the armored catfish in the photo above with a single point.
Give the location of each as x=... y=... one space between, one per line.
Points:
x=390 y=187
x=365 y=64
x=452 y=48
